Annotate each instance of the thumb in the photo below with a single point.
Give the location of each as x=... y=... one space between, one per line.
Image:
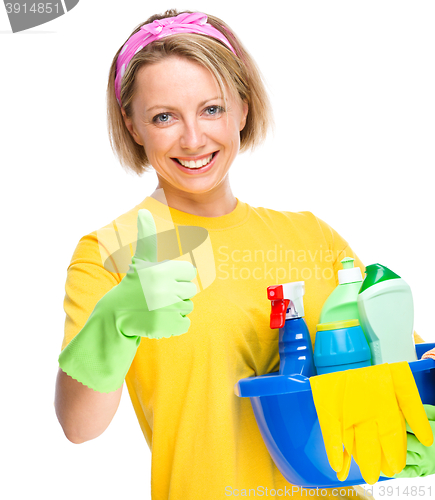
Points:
x=146 y=248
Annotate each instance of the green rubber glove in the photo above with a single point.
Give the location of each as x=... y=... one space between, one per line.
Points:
x=152 y=300
x=420 y=459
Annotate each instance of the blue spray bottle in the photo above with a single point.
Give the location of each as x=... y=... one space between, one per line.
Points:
x=295 y=348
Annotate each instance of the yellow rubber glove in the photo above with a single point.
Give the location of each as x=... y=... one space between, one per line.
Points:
x=364 y=411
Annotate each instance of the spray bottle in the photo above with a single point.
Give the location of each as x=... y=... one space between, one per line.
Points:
x=295 y=348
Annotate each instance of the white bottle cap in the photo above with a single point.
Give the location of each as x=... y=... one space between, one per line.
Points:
x=295 y=293
x=349 y=274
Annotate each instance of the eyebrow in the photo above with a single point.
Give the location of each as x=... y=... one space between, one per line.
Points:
x=170 y=108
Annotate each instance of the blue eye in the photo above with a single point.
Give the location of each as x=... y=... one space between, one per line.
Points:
x=215 y=110
x=162 y=118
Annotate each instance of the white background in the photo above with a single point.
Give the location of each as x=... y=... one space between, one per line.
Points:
x=352 y=86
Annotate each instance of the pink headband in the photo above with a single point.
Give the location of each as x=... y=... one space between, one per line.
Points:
x=148 y=33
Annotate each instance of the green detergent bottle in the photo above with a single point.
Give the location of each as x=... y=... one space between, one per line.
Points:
x=342 y=304
x=386 y=311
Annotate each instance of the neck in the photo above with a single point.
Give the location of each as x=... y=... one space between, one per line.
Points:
x=210 y=204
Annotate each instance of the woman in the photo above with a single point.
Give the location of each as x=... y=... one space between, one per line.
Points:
x=185 y=97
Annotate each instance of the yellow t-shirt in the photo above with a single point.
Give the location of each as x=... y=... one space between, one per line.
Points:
x=204 y=440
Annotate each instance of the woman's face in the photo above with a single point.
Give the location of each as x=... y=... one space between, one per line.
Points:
x=190 y=136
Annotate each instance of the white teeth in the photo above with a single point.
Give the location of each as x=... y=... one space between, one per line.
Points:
x=196 y=164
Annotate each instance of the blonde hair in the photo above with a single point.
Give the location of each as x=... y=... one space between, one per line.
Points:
x=239 y=75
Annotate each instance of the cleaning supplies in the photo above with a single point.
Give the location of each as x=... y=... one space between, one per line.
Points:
x=295 y=348
x=340 y=345
x=364 y=410
x=386 y=312
x=342 y=303
x=420 y=459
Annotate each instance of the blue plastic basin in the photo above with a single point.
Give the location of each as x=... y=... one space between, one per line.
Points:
x=284 y=409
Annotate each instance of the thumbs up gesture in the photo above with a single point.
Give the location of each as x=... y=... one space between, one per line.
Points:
x=152 y=300
x=157 y=294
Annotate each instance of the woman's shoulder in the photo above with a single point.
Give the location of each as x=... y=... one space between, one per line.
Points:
x=301 y=217
x=109 y=246
x=303 y=221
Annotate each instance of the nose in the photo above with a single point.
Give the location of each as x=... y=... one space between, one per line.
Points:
x=193 y=136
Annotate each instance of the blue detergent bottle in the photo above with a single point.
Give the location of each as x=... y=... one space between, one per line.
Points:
x=340 y=345
x=295 y=347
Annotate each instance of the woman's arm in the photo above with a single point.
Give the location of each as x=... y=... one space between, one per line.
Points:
x=83 y=413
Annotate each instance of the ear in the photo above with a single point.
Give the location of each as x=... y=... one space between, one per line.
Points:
x=245 y=109
x=130 y=126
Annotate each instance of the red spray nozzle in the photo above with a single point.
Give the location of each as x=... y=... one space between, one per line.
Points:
x=275 y=293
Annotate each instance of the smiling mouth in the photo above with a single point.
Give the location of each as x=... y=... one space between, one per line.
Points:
x=198 y=163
